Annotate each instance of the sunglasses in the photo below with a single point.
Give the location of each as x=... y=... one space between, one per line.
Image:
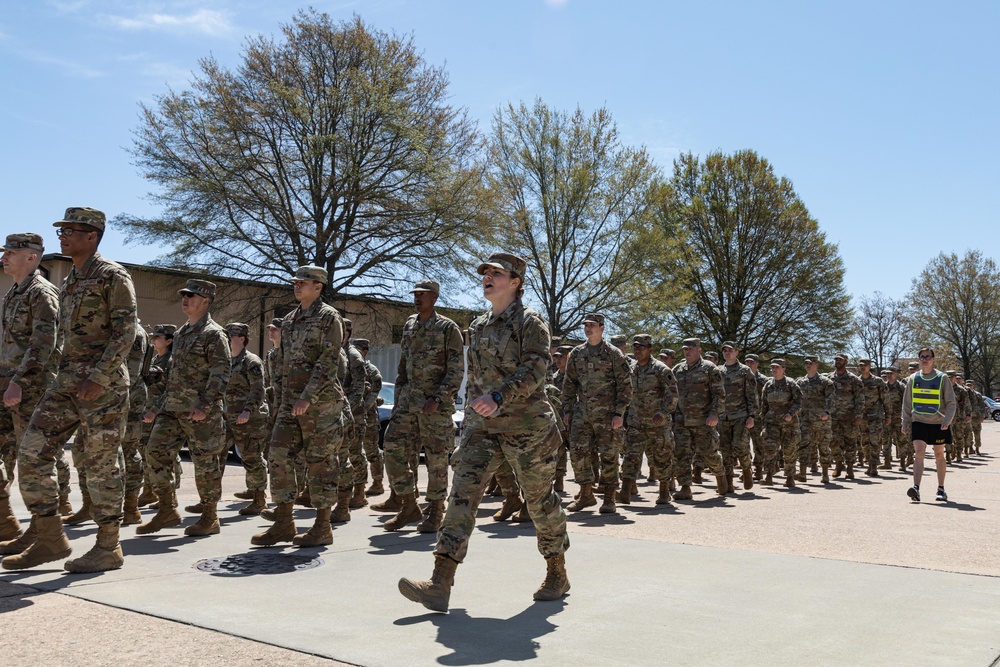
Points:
x=925 y=357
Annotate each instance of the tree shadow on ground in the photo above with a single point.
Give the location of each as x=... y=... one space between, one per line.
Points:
x=481 y=641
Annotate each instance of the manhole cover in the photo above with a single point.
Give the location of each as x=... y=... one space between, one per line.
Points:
x=243 y=565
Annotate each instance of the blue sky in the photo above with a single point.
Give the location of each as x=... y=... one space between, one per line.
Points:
x=883 y=114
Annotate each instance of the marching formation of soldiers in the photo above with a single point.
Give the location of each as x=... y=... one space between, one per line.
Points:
x=304 y=419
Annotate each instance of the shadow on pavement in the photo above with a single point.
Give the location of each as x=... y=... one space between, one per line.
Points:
x=597 y=519
x=391 y=544
x=961 y=507
x=157 y=543
x=17 y=600
x=481 y=641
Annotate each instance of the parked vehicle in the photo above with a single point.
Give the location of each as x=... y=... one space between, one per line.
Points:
x=387 y=394
x=993 y=407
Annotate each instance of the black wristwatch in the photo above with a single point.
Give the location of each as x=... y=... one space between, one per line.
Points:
x=497 y=398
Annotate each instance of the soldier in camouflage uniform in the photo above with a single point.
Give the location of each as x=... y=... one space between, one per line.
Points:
x=429 y=375
x=816 y=432
x=138 y=357
x=509 y=419
x=654 y=400
x=961 y=427
x=780 y=404
x=848 y=407
x=876 y=416
x=27 y=358
x=97 y=323
x=247 y=415
x=560 y=360
x=894 y=390
x=354 y=465
x=370 y=438
x=596 y=394
x=310 y=420
x=702 y=395
x=979 y=413
x=752 y=362
x=621 y=342
x=155 y=378
x=740 y=414
x=191 y=408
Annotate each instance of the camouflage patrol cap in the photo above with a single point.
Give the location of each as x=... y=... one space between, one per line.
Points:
x=691 y=342
x=555 y=341
x=276 y=323
x=913 y=365
x=841 y=357
x=960 y=374
x=505 y=262
x=730 y=344
x=714 y=356
x=893 y=369
x=238 y=329
x=619 y=339
x=361 y=343
x=952 y=374
x=564 y=349
x=752 y=357
x=864 y=362
x=778 y=362
x=811 y=359
x=310 y=272
x=82 y=215
x=25 y=240
x=884 y=371
x=163 y=330
x=667 y=352
x=643 y=339
x=594 y=317
x=199 y=287
x=426 y=286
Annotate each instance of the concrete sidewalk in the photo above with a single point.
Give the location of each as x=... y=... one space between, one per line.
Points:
x=745 y=580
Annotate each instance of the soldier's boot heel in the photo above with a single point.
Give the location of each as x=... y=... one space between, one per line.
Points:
x=850 y=470
x=801 y=477
x=257 y=505
x=65 y=508
x=826 y=474
x=434 y=517
x=10 y=527
x=244 y=495
x=696 y=477
x=684 y=493
x=50 y=544
x=625 y=493
x=558 y=485
x=358 y=500
x=105 y=555
x=608 y=506
x=208 y=522
x=747 y=478
x=435 y=593
x=130 y=513
x=22 y=541
x=408 y=513
x=721 y=484
x=282 y=530
x=511 y=504
x=82 y=515
x=321 y=533
x=391 y=504
x=376 y=488
x=664 y=497
x=556 y=583
x=166 y=516
x=586 y=499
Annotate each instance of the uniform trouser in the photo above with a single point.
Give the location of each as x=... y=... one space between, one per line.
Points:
x=734 y=444
x=656 y=442
x=700 y=440
x=757 y=440
x=816 y=436
x=784 y=437
x=407 y=433
x=147 y=430
x=101 y=422
x=356 y=451
x=250 y=440
x=206 y=441
x=894 y=438
x=532 y=457
x=562 y=458
x=844 y=445
x=13 y=424
x=593 y=444
x=372 y=451
x=872 y=431
x=131 y=445
x=314 y=438
x=977 y=433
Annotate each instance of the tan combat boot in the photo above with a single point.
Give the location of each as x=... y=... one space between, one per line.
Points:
x=558 y=485
x=826 y=474
x=801 y=477
x=82 y=515
x=768 y=478
x=130 y=514
x=105 y=555
x=342 y=512
x=321 y=533
x=556 y=583
x=653 y=477
x=522 y=515
x=408 y=513
x=50 y=544
x=511 y=504
x=208 y=522
x=664 y=497
x=839 y=469
x=196 y=508
x=625 y=493
x=65 y=508
x=148 y=496
x=850 y=470
x=303 y=499
x=747 y=478
x=684 y=493
x=434 y=517
x=729 y=483
x=376 y=488
x=166 y=516
x=585 y=500
x=608 y=506
x=391 y=504
x=282 y=530
x=244 y=495
x=358 y=500
x=789 y=480
x=257 y=505
x=697 y=478
x=10 y=527
x=433 y=594
x=814 y=469
x=19 y=544
x=888 y=462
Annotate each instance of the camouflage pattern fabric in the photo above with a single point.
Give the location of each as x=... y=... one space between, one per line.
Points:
x=356 y=388
x=757 y=432
x=156 y=383
x=875 y=409
x=894 y=436
x=701 y=393
x=137 y=396
x=97 y=325
x=742 y=401
x=780 y=398
x=847 y=406
x=655 y=393
x=508 y=353
x=370 y=438
x=816 y=432
x=245 y=392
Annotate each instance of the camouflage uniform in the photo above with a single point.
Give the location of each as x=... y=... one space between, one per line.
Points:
x=702 y=395
x=780 y=398
x=137 y=394
x=742 y=402
x=757 y=432
x=199 y=373
x=431 y=365
x=875 y=410
x=817 y=433
x=979 y=413
x=848 y=405
x=354 y=467
x=311 y=343
x=655 y=393
x=245 y=392
x=508 y=355
x=156 y=383
x=97 y=326
x=28 y=357
x=894 y=404
x=598 y=387
x=960 y=428
x=371 y=448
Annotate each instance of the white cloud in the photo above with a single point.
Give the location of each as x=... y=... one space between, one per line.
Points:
x=72 y=68
x=206 y=21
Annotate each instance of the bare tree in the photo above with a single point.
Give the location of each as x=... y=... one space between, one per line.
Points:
x=881 y=329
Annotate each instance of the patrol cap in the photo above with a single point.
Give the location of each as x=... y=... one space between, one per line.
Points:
x=426 y=286
x=643 y=339
x=555 y=341
x=25 y=240
x=163 y=330
x=594 y=317
x=960 y=374
x=667 y=352
x=714 y=356
x=884 y=371
x=564 y=349
x=841 y=357
x=864 y=362
x=730 y=344
x=310 y=272
x=778 y=362
x=952 y=374
x=276 y=323
x=811 y=359
x=82 y=215
x=360 y=343
x=506 y=262
x=893 y=369
x=691 y=342
x=619 y=339
x=199 y=287
x=913 y=365
x=238 y=329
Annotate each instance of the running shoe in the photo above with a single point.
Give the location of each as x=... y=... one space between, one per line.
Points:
x=914 y=493
x=941 y=495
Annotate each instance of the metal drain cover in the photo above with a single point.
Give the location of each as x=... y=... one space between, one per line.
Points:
x=244 y=565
